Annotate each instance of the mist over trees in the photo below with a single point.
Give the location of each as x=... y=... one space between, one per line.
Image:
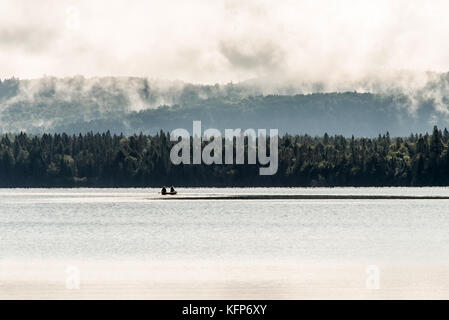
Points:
x=132 y=105
x=107 y=160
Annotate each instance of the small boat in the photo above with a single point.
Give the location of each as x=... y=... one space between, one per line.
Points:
x=168 y=193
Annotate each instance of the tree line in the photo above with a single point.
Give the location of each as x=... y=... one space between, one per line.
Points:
x=110 y=160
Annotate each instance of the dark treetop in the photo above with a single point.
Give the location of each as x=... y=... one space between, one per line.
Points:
x=105 y=160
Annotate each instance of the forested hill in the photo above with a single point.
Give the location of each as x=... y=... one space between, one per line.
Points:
x=134 y=105
x=336 y=113
x=105 y=160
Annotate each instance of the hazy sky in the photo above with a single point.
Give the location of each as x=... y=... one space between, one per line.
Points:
x=224 y=40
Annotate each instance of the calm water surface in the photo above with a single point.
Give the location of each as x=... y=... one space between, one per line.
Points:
x=124 y=224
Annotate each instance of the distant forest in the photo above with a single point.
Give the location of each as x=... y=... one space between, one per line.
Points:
x=108 y=160
x=133 y=105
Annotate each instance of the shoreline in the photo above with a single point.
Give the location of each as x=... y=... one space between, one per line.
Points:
x=296 y=197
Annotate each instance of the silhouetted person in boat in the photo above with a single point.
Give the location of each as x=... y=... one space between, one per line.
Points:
x=163 y=191
x=172 y=190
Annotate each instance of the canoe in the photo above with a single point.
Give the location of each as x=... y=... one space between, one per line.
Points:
x=169 y=193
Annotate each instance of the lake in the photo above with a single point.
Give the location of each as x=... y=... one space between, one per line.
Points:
x=128 y=243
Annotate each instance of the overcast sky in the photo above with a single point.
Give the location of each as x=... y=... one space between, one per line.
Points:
x=220 y=41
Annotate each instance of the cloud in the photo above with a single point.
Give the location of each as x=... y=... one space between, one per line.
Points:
x=326 y=41
x=250 y=56
x=31 y=39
